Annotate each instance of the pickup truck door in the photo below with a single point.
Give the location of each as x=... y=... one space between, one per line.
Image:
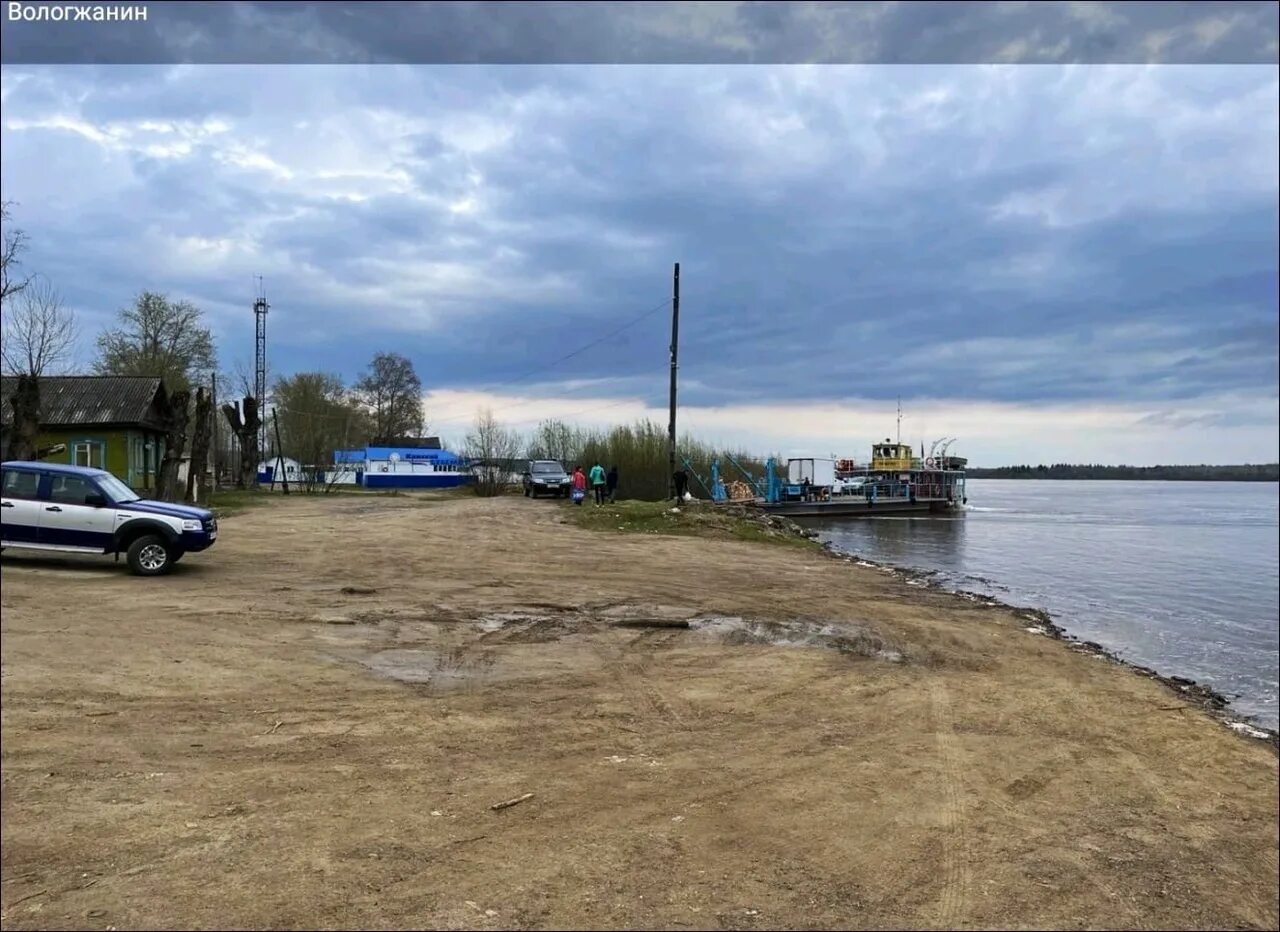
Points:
x=20 y=506
x=65 y=519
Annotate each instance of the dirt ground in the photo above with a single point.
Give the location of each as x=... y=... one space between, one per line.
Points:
x=244 y=744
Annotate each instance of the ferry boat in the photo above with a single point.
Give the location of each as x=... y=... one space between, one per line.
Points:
x=895 y=481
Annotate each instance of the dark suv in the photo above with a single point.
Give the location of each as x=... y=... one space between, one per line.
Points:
x=546 y=477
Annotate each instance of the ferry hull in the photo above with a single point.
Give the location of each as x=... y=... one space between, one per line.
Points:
x=856 y=508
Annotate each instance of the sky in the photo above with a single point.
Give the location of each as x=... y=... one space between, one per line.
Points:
x=1049 y=262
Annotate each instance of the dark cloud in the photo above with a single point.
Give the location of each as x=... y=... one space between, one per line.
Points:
x=1063 y=235
x=767 y=32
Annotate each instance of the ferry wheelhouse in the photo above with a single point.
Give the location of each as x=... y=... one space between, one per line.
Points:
x=895 y=481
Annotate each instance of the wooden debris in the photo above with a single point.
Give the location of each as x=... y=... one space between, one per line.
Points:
x=358 y=590
x=653 y=623
x=29 y=896
x=511 y=802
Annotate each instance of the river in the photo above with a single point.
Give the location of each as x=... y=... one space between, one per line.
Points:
x=1183 y=577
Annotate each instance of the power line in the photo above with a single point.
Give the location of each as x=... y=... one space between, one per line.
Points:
x=538 y=400
x=587 y=346
x=542 y=368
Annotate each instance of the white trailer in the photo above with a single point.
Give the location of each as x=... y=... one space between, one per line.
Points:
x=821 y=472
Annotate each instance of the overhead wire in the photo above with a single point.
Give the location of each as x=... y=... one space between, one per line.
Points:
x=524 y=375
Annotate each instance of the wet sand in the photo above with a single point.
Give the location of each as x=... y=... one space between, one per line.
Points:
x=715 y=734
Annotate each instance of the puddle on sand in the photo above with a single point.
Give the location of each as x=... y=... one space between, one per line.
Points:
x=848 y=639
x=628 y=611
x=528 y=645
x=499 y=620
x=446 y=669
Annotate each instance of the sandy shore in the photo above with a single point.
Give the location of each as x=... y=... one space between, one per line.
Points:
x=716 y=735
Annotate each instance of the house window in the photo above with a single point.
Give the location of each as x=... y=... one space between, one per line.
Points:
x=89 y=453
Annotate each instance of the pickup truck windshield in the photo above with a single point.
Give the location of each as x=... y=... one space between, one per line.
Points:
x=116 y=490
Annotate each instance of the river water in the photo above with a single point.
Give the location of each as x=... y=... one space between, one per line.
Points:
x=1183 y=577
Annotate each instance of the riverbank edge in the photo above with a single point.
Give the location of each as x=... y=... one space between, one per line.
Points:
x=1041 y=623
x=780 y=529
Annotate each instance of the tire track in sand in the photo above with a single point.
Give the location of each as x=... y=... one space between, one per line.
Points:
x=953 y=898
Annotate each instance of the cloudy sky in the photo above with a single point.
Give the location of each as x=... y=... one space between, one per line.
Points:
x=1050 y=262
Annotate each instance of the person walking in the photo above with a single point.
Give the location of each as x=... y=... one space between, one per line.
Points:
x=598 y=482
x=579 y=485
x=611 y=482
x=682 y=482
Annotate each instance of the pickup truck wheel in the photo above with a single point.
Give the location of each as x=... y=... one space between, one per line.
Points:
x=151 y=555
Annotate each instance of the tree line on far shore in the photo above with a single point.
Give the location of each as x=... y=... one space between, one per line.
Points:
x=1262 y=472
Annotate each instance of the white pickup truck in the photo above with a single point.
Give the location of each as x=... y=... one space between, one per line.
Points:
x=73 y=509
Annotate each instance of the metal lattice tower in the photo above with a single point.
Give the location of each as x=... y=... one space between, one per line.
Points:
x=260 y=370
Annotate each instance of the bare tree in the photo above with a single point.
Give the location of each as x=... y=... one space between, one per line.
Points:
x=556 y=440
x=491 y=449
x=201 y=436
x=177 y=417
x=245 y=422
x=14 y=242
x=392 y=393
x=160 y=337
x=317 y=418
x=25 y=402
x=39 y=333
x=36 y=334
x=234 y=383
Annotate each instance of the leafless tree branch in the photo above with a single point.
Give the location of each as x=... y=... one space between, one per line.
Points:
x=14 y=242
x=39 y=332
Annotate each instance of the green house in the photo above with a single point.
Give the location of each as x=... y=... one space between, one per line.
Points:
x=109 y=422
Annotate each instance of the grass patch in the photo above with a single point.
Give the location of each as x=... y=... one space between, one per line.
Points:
x=694 y=519
x=228 y=502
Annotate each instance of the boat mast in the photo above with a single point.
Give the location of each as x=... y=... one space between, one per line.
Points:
x=899 y=420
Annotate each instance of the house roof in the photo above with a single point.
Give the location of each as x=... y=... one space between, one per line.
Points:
x=410 y=443
x=408 y=454
x=79 y=400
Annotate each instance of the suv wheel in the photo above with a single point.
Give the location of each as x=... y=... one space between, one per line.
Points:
x=151 y=555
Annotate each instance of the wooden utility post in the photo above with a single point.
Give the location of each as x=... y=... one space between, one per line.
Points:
x=284 y=473
x=675 y=352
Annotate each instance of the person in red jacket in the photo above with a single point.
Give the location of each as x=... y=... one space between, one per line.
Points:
x=579 y=485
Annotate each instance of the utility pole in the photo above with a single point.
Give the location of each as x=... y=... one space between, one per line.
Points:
x=675 y=351
x=284 y=473
x=260 y=365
